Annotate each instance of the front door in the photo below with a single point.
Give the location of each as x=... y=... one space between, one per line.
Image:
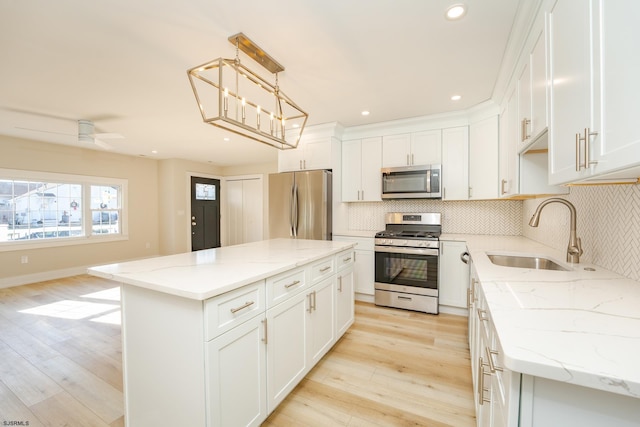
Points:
x=205 y=213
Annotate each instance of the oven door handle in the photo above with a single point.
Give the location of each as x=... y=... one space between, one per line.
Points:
x=407 y=251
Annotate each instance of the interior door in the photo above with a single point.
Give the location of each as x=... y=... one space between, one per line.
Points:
x=205 y=213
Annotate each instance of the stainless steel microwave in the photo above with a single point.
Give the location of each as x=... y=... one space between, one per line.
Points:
x=412 y=182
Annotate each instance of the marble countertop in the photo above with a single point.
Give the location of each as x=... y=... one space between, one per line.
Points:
x=578 y=326
x=204 y=274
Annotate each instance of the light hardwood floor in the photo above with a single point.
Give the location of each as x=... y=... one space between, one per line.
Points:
x=63 y=368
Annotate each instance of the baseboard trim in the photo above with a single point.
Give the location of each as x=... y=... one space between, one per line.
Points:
x=9 y=282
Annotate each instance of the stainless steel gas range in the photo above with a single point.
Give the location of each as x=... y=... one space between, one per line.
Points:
x=406 y=261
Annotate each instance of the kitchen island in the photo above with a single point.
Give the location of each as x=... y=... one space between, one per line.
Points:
x=552 y=347
x=220 y=336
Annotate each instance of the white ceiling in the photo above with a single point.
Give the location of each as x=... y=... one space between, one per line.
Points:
x=122 y=64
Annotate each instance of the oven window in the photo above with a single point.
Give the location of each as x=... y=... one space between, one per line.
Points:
x=408 y=270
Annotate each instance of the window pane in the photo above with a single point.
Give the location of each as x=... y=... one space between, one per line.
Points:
x=39 y=210
x=205 y=191
x=105 y=209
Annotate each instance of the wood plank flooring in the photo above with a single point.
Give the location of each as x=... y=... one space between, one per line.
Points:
x=64 y=368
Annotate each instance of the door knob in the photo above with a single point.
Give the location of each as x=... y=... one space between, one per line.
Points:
x=193 y=218
x=193 y=223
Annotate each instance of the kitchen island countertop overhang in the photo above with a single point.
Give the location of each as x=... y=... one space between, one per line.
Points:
x=204 y=274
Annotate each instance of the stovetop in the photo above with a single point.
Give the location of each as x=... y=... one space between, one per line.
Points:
x=411 y=230
x=391 y=234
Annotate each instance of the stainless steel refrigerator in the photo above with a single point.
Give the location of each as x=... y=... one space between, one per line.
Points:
x=300 y=205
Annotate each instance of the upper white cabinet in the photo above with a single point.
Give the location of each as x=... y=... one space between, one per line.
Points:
x=593 y=69
x=419 y=148
x=532 y=93
x=508 y=146
x=312 y=153
x=455 y=163
x=361 y=164
x=483 y=159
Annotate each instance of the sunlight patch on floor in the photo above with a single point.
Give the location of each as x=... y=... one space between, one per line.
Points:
x=68 y=309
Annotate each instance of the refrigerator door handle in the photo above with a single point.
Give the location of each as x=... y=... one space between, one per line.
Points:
x=295 y=210
x=291 y=204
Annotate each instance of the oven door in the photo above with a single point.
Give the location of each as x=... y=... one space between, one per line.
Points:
x=413 y=270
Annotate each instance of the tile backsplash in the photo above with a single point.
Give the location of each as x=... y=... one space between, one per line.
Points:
x=608 y=222
x=474 y=217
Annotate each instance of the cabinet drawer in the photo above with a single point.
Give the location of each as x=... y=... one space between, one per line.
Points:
x=233 y=308
x=285 y=285
x=345 y=259
x=322 y=269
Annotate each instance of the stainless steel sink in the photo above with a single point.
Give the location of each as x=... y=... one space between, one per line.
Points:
x=521 y=261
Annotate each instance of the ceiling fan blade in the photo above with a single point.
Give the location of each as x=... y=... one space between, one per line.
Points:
x=109 y=135
x=43 y=131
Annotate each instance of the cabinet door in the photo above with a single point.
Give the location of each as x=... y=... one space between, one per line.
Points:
x=426 y=147
x=570 y=77
x=453 y=275
x=396 y=150
x=508 y=145
x=455 y=163
x=483 y=159
x=364 y=269
x=291 y=160
x=371 y=177
x=317 y=154
x=524 y=106
x=617 y=144
x=286 y=348
x=321 y=320
x=344 y=301
x=352 y=170
x=538 y=87
x=236 y=376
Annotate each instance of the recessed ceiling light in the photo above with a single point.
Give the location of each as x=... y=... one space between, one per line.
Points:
x=365 y=113
x=226 y=139
x=154 y=151
x=456 y=97
x=456 y=11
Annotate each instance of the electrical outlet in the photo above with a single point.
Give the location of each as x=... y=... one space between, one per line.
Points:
x=24 y=259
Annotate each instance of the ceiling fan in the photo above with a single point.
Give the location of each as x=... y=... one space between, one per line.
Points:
x=53 y=128
x=87 y=133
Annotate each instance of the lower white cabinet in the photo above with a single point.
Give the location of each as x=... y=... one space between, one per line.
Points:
x=364 y=264
x=453 y=276
x=236 y=378
x=345 y=298
x=286 y=347
x=321 y=333
x=230 y=360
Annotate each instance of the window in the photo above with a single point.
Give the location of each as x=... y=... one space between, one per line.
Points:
x=44 y=208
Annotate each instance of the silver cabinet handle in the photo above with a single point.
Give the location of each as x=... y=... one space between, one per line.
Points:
x=587 y=145
x=481 y=373
x=264 y=324
x=408 y=164
x=523 y=129
x=492 y=366
x=502 y=184
x=295 y=282
x=345 y=260
x=314 y=300
x=340 y=284
x=482 y=315
x=412 y=160
x=242 y=307
x=323 y=270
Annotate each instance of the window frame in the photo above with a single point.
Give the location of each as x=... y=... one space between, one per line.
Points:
x=86 y=181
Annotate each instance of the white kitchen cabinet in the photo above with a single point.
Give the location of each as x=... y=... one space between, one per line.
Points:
x=361 y=164
x=320 y=323
x=593 y=67
x=315 y=153
x=508 y=145
x=453 y=280
x=412 y=149
x=244 y=210
x=364 y=265
x=286 y=348
x=236 y=378
x=483 y=159
x=455 y=163
x=345 y=297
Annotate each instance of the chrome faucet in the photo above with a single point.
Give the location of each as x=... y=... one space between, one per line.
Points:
x=574 y=250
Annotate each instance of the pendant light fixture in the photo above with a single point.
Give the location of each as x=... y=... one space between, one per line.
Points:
x=232 y=97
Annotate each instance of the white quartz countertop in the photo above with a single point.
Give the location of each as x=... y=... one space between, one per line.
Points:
x=204 y=274
x=578 y=326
